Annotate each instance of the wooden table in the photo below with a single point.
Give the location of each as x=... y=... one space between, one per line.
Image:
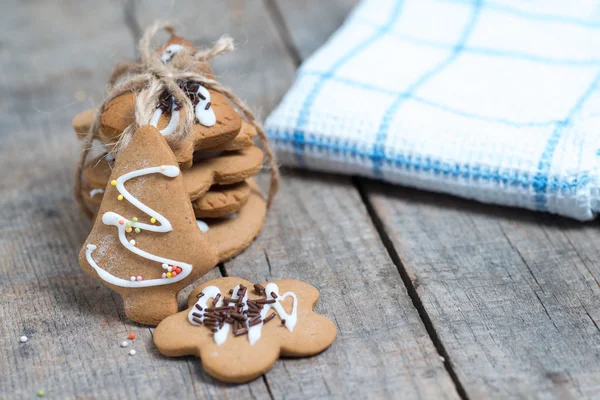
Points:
x=432 y=296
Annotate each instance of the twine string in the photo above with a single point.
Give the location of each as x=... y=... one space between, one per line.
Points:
x=149 y=78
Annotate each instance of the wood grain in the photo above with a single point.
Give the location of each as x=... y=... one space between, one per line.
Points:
x=418 y=373
x=512 y=296
x=512 y=301
x=56 y=57
x=309 y=23
x=320 y=232
x=259 y=69
x=60 y=56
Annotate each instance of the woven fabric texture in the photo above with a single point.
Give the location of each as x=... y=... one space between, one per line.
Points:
x=494 y=101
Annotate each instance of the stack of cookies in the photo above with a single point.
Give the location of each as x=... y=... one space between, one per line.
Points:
x=218 y=159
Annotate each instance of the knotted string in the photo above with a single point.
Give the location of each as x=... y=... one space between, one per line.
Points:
x=149 y=78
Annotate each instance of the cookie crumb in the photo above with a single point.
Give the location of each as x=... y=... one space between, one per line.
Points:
x=132 y=352
x=23 y=339
x=124 y=343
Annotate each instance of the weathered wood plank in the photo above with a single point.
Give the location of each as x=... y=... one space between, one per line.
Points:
x=75 y=324
x=511 y=299
x=260 y=70
x=320 y=232
x=512 y=295
x=60 y=56
x=310 y=23
x=365 y=360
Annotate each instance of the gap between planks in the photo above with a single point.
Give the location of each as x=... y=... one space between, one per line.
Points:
x=358 y=183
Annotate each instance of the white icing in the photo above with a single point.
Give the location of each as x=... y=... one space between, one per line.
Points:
x=254 y=332
x=94 y=192
x=204 y=116
x=162 y=226
x=202 y=225
x=170 y=52
x=172 y=125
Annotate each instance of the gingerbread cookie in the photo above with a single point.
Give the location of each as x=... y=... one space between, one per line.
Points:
x=145 y=243
x=233 y=234
x=230 y=234
x=83 y=121
x=92 y=196
x=224 y=122
x=239 y=329
x=221 y=168
x=221 y=200
x=243 y=140
x=217 y=202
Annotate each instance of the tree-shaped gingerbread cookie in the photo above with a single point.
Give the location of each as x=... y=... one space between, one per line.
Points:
x=145 y=243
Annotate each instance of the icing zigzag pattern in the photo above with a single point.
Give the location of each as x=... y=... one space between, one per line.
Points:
x=162 y=225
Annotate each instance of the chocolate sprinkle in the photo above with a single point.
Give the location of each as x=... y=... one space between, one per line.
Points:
x=232 y=311
x=200 y=295
x=270 y=317
x=259 y=288
x=265 y=301
x=216 y=299
x=240 y=331
x=190 y=88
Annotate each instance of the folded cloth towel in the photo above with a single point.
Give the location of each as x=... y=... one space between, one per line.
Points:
x=494 y=101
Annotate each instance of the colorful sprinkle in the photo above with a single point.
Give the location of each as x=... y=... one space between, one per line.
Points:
x=121 y=222
x=152 y=220
x=164 y=275
x=138 y=278
x=124 y=343
x=134 y=219
x=23 y=339
x=162 y=167
x=128 y=229
x=132 y=242
x=113 y=182
x=132 y=279
x=41 y=393
x=169 y=269
x=137 y=230
x=128 y=224
x=173 y=273
x=120 y=197
x=132 y=352
x=169 y=274
x=165 y=266
x=131 y=336
x=178 y=270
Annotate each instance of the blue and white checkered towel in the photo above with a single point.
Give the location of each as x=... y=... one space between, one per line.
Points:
x=493 y=101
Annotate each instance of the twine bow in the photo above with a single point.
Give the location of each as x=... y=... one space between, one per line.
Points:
x=149 y=78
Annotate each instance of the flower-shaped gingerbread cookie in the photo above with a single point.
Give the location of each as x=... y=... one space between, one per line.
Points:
x=239 y=329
